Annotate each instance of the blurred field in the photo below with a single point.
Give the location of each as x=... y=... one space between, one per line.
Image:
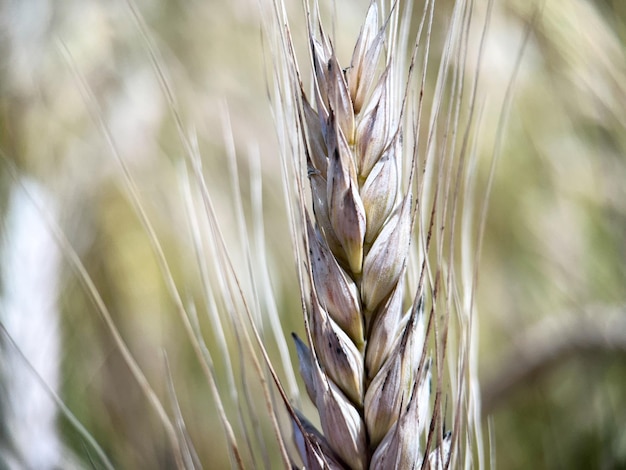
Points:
x=554 y=247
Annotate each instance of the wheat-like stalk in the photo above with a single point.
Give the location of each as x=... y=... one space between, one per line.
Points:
x=364 y=370
x=366 y=367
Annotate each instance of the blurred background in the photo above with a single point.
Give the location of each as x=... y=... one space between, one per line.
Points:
x=78 y=89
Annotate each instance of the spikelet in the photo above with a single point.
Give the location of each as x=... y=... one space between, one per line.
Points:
x=364 y=369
